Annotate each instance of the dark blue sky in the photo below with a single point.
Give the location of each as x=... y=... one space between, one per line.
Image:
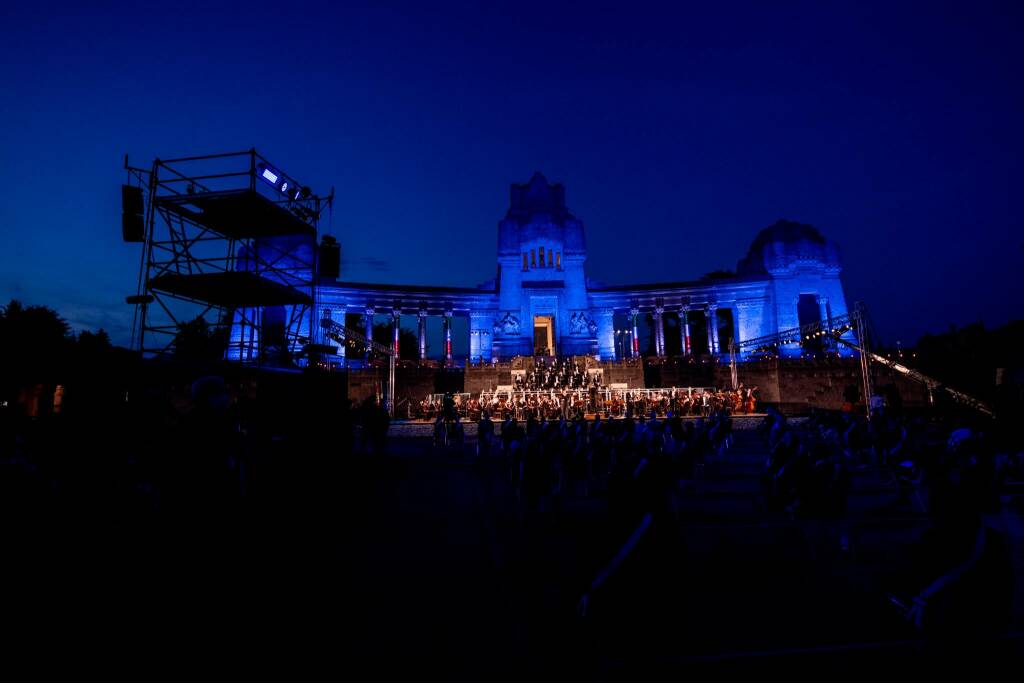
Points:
x=678 y=132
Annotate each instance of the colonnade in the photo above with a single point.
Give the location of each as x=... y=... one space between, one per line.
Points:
x=482 y=319
x=685 y=342
x=480 y=335
x=396 y=325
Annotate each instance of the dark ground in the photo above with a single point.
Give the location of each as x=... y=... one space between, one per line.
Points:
x=420 y=559
x=743 y=586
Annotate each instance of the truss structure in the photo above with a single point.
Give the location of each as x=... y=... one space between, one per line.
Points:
x=341 y=334
x=837 y=330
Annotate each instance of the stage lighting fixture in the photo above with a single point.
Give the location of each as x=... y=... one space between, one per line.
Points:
x=283 y=184
x=269 y=175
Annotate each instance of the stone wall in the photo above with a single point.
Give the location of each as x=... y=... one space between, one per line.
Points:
x=485 y=377
x=625 y=372
x=796 y=385
x=765 y=376
x=679 y=372
x=412 y=384
x=363 y=384
x=793 y=385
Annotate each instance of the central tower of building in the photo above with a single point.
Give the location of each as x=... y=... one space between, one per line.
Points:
x=542 y=294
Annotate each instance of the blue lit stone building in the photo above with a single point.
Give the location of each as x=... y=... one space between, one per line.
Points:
x=543 y=303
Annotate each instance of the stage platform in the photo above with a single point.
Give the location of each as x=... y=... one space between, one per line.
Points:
x=240 y=214
x=590 y=417
x=417 y=428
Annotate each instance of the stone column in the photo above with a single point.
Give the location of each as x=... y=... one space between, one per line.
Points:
x=794 y=347
x=448 y=335
x=604 y=317
x=825 y=322
x=684 y=331
x=396 y=319
x=423 y=333
x=635 y=344
x=718 y=340
x=738 y=323
x=659 y=330
x=713 y=328
x=369 y=328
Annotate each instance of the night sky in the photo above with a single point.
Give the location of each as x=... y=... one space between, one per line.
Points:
x=678 y=132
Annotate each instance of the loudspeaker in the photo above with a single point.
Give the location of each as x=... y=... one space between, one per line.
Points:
x=330 y=258
x=133 y=228
x=131 y=199
x=133 y=224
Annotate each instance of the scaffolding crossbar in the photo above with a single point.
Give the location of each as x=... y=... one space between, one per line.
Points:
x=229 y=288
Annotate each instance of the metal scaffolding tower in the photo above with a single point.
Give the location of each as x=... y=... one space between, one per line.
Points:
x=231 y=239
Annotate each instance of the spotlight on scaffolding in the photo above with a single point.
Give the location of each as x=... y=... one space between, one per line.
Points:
x=282 y=183
x=269 y=174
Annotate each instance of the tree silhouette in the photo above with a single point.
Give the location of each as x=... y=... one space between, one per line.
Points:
x=34 y=344
x=199 y=342
x=408 y=348
x=38 y=352
x=92 y=344
x=33 y=324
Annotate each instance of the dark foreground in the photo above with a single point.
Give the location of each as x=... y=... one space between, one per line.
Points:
x=425 y=559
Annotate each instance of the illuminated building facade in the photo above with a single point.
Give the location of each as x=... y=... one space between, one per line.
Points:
x=543 y=302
